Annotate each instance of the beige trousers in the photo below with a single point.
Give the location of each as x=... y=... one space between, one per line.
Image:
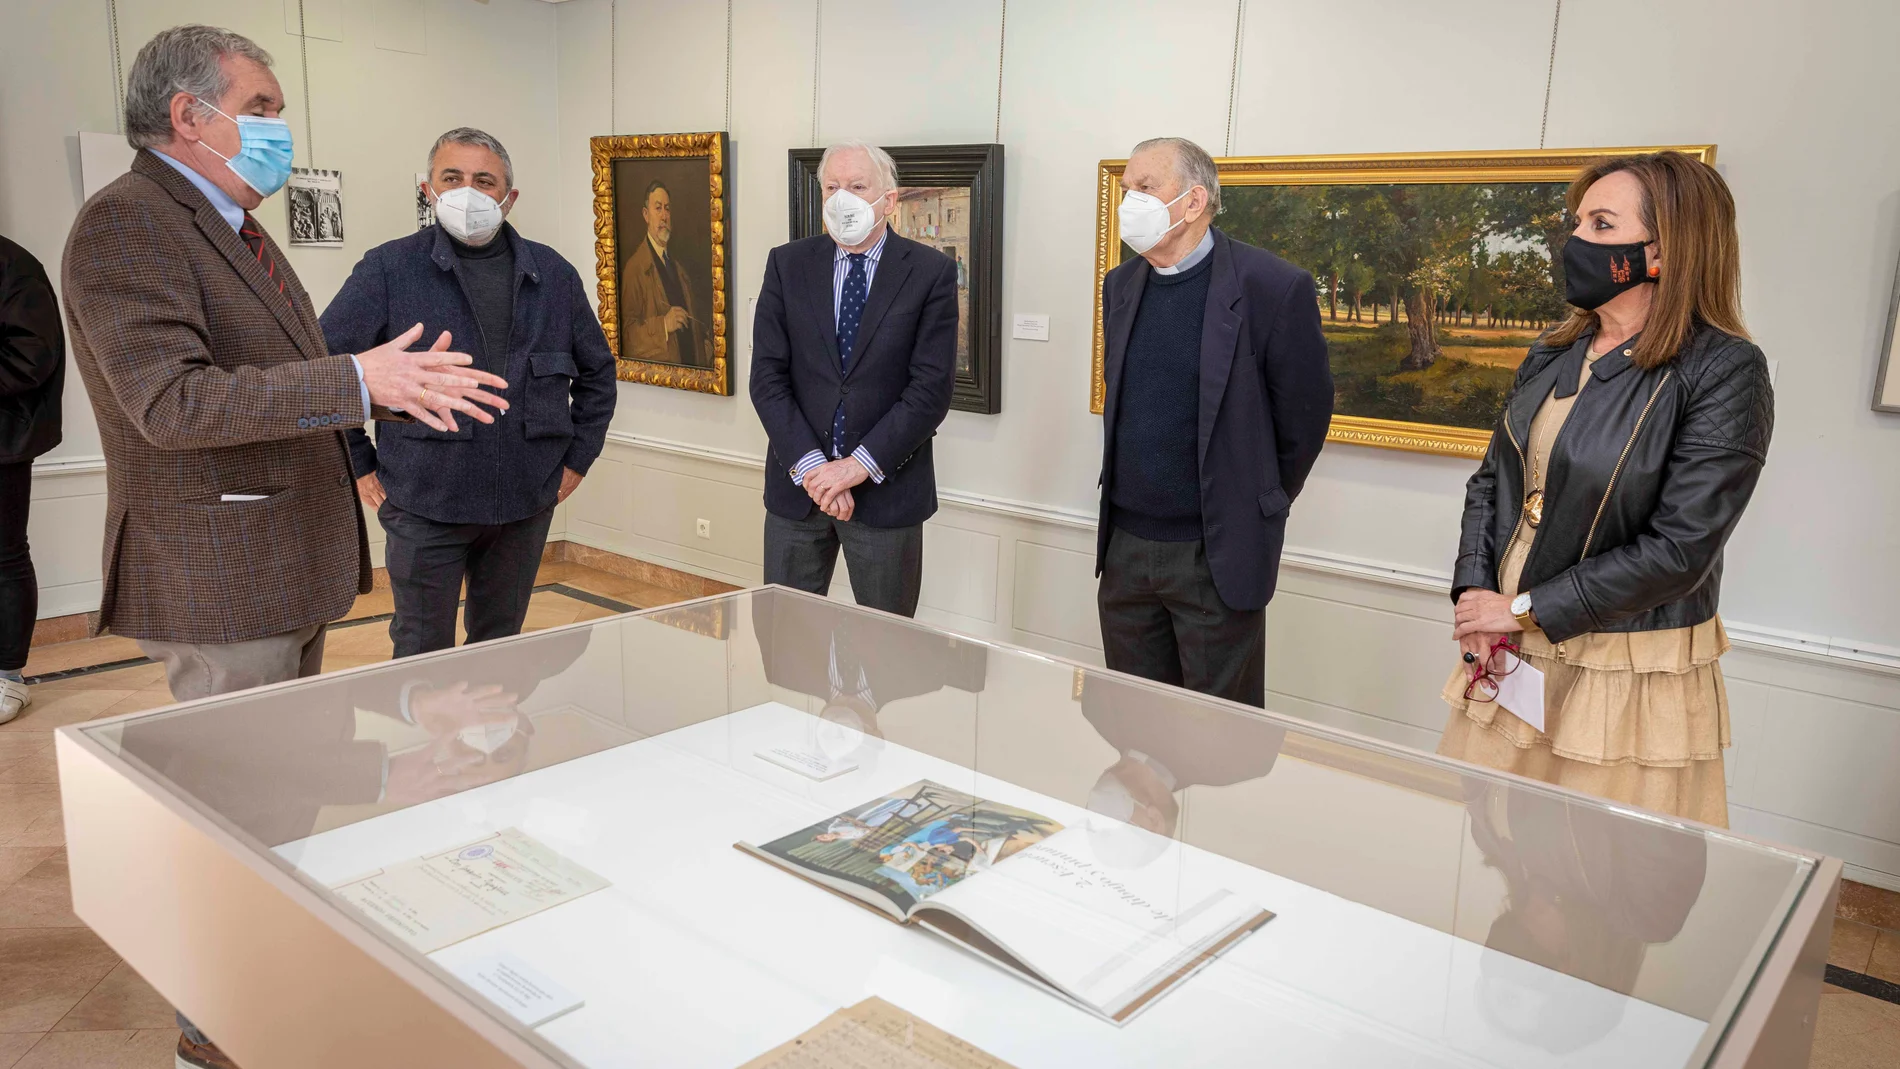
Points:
x=202 y=669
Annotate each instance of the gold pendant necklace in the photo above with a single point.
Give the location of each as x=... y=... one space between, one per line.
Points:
x=1534 y=508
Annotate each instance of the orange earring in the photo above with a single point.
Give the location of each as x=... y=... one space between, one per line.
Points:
x=1655 y=270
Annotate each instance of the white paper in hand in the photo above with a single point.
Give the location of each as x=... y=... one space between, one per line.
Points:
x=1522 y=692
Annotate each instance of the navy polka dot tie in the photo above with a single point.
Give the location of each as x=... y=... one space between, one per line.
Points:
x=850 y=314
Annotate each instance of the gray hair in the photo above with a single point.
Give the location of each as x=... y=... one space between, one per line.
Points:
x=1192 y=167
x=183 y=59
x=468 y=135
x=881 y=162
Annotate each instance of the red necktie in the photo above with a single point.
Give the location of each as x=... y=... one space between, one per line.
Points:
x=253 y=236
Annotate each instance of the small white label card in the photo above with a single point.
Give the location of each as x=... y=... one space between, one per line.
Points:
x=515 y=986
x=808 y=763
x=241 y=497
x=1522 y=692
x=1031 y=327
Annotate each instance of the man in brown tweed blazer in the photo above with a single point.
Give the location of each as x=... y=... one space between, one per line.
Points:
x=233 y=536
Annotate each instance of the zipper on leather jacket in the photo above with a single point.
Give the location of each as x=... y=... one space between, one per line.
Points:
x=1523 y=476
x=1618 y=470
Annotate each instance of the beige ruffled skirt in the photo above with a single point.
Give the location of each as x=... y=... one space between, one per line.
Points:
x=1638 y=718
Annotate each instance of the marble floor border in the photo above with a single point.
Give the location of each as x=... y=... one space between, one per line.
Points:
x=562 y=589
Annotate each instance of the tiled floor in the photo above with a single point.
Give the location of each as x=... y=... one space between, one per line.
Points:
x=67 y=1001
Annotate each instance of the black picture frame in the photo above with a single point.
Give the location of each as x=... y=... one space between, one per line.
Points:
x=979 y=167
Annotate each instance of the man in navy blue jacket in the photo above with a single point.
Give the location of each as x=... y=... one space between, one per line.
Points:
x=854 y=350
x=475 y=501
x=1219 y=397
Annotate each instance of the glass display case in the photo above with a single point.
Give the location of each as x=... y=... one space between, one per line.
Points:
x=691 y=837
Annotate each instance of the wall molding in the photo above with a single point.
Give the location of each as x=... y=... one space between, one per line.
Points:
x=89 y=464
x=1793 y=645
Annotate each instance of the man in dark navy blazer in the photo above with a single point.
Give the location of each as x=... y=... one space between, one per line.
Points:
x=1219 y=396
x=475 y=501
x=854 y=345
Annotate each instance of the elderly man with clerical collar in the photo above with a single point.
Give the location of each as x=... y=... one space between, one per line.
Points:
x=1219 y=397
x=474 y=502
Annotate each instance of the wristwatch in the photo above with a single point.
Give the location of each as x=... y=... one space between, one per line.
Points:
x=1521 y=609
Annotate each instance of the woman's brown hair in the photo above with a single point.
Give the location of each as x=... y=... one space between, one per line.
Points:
x=1689 y=212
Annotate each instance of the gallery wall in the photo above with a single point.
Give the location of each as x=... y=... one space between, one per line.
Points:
x=1815 y=183
x=1357 y=633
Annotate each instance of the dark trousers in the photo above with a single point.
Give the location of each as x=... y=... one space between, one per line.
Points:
x=1163 y=620
x=886 y=563
x=427 y=562
x=19 y=590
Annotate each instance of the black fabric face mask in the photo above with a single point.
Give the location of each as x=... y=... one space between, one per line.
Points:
x=1593 y=273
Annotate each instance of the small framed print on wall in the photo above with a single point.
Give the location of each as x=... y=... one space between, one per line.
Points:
x=1887 y=380
x=949 y=197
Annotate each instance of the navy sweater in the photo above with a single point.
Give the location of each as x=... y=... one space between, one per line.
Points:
x=1155 y=488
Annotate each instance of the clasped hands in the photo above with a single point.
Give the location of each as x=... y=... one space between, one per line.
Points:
x=1481 y=618
x=830 y=484
x=432 y=386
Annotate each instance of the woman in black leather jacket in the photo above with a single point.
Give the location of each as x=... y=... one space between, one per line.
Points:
x=1629 y=446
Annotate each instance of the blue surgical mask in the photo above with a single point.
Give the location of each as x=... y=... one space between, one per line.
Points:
x=264 y=154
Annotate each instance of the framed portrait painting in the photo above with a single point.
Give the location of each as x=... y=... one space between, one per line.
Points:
x=661 y=239
x=949 y=197
x=1433 y=275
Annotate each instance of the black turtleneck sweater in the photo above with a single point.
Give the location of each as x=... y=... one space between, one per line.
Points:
x=488 y=280
x=1155 y=488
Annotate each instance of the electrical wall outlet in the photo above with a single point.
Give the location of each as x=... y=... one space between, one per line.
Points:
x=702 y=528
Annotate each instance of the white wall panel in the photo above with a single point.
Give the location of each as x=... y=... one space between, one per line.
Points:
x=1054 y=595
x=961 y=578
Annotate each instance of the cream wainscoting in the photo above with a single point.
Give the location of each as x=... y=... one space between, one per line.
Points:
x=1353 y=644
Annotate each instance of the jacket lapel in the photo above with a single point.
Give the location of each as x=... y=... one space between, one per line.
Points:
x=1530 y=397
x=893 y=267
x=226 y=240
x=1121 y=323
x=819 y=297
x=1220 y=335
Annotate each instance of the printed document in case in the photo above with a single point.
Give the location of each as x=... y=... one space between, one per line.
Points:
x=444 y=898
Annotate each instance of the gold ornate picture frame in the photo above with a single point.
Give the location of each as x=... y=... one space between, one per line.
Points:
x=665 y=291
x=1434 y=273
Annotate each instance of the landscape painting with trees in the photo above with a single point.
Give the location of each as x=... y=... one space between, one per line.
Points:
x=1433 y=273
x=1428 y=294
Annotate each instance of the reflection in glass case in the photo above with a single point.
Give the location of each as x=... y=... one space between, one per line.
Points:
x=728 y=832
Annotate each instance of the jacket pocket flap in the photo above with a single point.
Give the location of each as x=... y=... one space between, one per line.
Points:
x=1273 y=503
x=553 y=364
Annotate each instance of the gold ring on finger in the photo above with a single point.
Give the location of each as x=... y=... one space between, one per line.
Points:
x=425 y=395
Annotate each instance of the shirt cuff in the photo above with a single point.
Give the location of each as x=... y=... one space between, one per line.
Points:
x=805 y=464
x=863 y=456
x=362 y=384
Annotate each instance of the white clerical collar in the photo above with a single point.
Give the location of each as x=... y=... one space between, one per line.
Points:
x=1200 y=253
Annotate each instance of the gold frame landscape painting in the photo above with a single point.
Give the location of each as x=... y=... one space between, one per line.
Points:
x=1433 y=274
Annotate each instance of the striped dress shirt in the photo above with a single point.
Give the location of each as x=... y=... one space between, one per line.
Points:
x=840 y=267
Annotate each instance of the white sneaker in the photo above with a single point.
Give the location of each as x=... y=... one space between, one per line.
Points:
x=13 y=698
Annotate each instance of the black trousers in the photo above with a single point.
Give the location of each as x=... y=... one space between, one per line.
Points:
x=886 y=563
x=1163 y=620
x=427 y=562
x=19 y=589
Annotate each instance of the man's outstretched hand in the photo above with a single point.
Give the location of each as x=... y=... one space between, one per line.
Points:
x=431 y=386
